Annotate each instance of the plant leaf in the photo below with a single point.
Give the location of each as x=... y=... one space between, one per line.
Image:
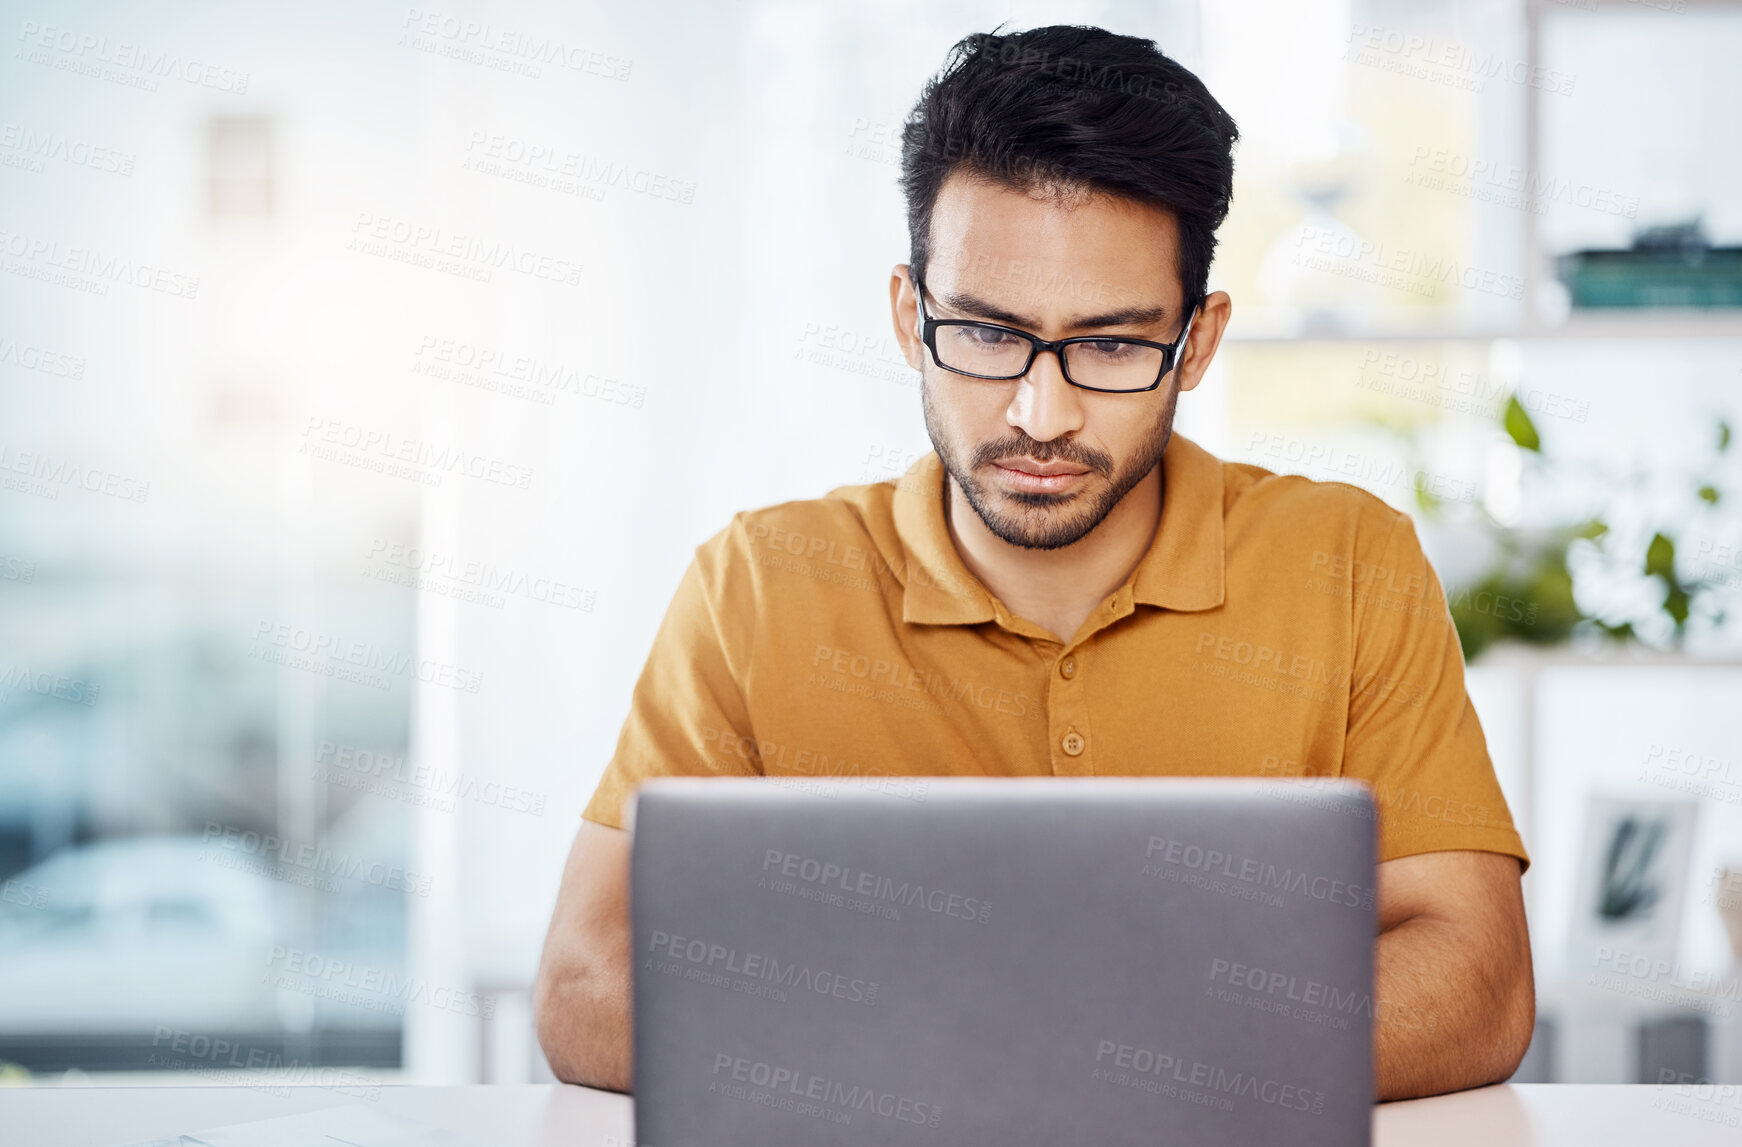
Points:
x=1518 y=424
x=1709 y=495
x=1660 y=559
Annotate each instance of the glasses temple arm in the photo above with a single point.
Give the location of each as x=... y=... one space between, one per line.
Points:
x=1179 y=348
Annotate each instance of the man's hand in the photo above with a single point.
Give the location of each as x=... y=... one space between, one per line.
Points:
x=582 y=1001
x=1454 y=998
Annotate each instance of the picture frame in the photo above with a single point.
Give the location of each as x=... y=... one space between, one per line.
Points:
x=1632 y=879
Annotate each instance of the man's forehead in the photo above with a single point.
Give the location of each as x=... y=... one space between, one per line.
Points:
x=1059 y=301
x=1073 y=258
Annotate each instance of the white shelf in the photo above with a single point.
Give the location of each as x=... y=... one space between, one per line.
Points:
x=1616 y=323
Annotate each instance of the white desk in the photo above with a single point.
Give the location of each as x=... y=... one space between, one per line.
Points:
x=546 y=1115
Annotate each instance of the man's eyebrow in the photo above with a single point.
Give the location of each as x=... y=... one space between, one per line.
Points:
x=1125 y=316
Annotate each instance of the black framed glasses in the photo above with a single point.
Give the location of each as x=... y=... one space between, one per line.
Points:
x=1088 y=362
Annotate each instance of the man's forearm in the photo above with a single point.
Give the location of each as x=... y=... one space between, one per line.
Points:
x=1448 y=1013
x=584 y=1026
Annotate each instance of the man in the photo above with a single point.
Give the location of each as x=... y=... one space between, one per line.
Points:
x=1059 y=589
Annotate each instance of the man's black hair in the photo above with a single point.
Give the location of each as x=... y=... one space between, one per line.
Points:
x=1064 y=108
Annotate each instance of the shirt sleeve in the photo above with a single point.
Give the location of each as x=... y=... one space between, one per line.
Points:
x=687 y=715
x=1413 y=734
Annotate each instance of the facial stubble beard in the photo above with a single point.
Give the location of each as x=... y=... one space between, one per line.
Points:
x=1065 y=530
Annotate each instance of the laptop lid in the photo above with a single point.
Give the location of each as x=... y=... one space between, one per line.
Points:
x=1003 y=961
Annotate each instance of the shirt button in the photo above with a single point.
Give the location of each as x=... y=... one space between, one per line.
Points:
x=1073 y=744
x=1068 y=668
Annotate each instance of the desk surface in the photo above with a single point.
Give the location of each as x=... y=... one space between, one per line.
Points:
x=544 y=1115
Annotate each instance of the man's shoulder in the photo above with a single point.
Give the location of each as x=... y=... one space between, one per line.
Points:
x=1325 y=549
x=1265 y=499
x=850 y=526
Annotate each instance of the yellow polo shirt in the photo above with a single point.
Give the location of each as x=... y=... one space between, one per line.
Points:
x=1276 y=627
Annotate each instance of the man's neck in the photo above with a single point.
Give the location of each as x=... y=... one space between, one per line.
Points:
x=1058 y=589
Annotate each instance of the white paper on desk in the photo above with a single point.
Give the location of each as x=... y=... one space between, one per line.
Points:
x=350 y=1126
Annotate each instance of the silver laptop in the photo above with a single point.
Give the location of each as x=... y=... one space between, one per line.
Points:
x=1054 y=961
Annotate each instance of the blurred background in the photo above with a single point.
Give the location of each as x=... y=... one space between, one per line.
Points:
x=368 y=374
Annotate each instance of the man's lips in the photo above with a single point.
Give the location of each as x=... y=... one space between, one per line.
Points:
x=1039 y=477
x=1040 y=469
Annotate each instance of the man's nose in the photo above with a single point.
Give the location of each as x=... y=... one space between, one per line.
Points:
x=1045 y=406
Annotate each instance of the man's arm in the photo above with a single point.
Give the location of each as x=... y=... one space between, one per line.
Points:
x=1455 y=1000
x=582 y=1001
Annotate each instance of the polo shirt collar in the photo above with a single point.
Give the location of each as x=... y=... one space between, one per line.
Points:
x=1182 y=569
x=938 y=588
x=1184 y=565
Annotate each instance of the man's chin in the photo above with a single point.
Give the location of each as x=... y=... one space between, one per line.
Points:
x=1038 y=529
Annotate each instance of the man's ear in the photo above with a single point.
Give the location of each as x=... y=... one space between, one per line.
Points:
x=904 y=312
x=1206 y=335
